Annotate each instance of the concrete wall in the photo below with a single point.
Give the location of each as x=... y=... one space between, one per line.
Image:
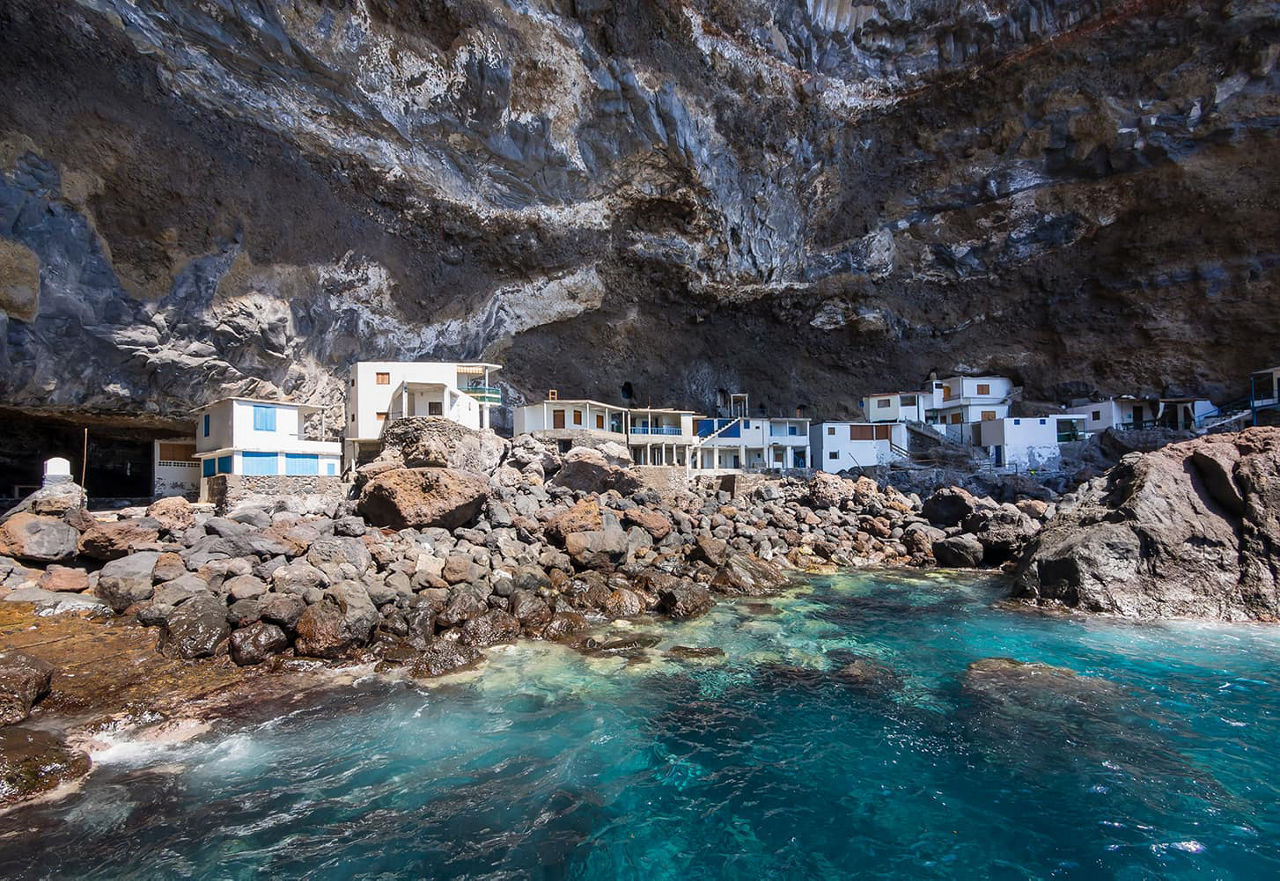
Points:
x=1025 y=443
x=318 y=495
x=175 y=477
x=833 y=437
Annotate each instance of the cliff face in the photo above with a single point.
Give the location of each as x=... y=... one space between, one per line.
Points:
x=803 y=200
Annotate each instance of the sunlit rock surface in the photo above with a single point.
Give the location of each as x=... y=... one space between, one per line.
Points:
x=199 y=199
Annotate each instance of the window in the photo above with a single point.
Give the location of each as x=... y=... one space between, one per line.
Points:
x=353 y=419
x=301 y=464
x=883 y=403
x=331 y=468
x=264 y=418
x=382 y=416
x=180 y=454
x=988 y=415
x=224 y=464
x=746 y=423
x=557 y=419
x=1096 y=416
x=600 y=422
x=908 y=400
x=206 y=425
x=833 y=455
x=208 y=468
x=984 y=388
x=831 y=431
x=382 y=378
x=435 y=408
x=1017 y=422
x=957 y=419
x=1042 y=422
x=577 y=417
x=862 y=432
x=260 y=463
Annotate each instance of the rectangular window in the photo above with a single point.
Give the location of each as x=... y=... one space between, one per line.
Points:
x=862 y=432
x=988 y=415
x=883 y=432
x=577 y=417
x=1042 y=422
x=947 y=394
x=1097 y=416
x=264 y=418
x=382 y=378
x=224 y=464
x=557 y=419
x=600 y=421
x=883 y=403
x=435 y=408
x=382 y=416
x=331 y=468
x=260 y=463
x=176 y=452
x=833 y=455
x=831 y=431
x=746 y=423
x=984 y=388
x=209 y=467
x=957 y=418
x=206 y=425
x=1017 y=422
x=300 y=464
x=908 y=400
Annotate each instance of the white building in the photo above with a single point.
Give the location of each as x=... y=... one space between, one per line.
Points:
x=1030 y=443
x=839 y=446
x=564 y=421
x=254 y=437
x=751 y=442
x=176 y=469
x=965 y=400
x=1131 y=412
x=660 y=436
x=379 y=392
x=896 y=406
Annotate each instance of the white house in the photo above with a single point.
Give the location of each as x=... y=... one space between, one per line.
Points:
x=254 y=437
x=1030 y=443
x=751 y=442
x=379 y=392
x=176 y=470
x=896 y=406
x=964 y=400
x=564 y=421
x=660 y=435
x=1128 y=411
x=839 y=446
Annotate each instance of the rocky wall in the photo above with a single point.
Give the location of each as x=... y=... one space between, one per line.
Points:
x=302 y=494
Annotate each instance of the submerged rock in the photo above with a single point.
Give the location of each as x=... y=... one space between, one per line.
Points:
x=34 y=761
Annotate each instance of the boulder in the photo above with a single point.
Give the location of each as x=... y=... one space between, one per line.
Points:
x=244 y=587
x=685 y=600
x=530 y=610
x=598 y=549
x=948 y=506
x=196 y=629
x=423 y=498
x=564 y=625
x=349 y=526
x=38 y=538
x=657 y=524
x=585 y=516
x=829 y=490
x=283 y=609
x=444 y=656
x=112 y=540
x=710 y=550
x=56 y=500
x=747 y=575
x=962 y=551
x=587 y=470
x=23 y=681
x=128 y=580
x=64 y=579
x=256 y=643
x=461 y=607
x=1189 y=530
x=321 y=633
x=359 y=614
x=491 y=628
x=439 y=442
x=298 y=577
x=623 y=603
x=339 y=557
x=174 y=514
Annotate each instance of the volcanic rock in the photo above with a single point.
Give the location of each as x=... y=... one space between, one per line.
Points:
x=23 y=681
x=37 y=538
x=423 y=498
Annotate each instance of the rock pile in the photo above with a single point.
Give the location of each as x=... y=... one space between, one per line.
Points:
x=1190 y=530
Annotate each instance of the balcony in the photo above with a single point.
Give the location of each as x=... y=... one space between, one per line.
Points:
x=668 y=430
x=485 y=394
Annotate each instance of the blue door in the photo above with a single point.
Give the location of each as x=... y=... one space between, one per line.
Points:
x=261 y=463
x=301 y=464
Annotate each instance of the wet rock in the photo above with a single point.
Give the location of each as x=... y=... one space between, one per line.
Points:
x=423 y=498
x=462 y=607
x=564 y=625
x=491 y=628
x=866 y=674
x=257 y=643
x=23 y=681
x=321 y=632
x=283 y=609
x=685 y=600
x=530 y=610
x=197 y=628
x=747 y=575
x=111 y=541
x=962 y=551
x=37 y=538
x=444 y=656
x=634 y=647
x=623 y=603
x=242 y=613
x=128 y=580
x=694 y=653
x=34 y=761
x=65 y=579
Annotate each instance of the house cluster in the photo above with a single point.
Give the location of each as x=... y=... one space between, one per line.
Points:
x=245 y=436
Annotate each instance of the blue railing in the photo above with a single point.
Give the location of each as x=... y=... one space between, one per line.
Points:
x=656 y=429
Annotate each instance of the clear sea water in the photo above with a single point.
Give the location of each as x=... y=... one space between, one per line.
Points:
x=766 y=763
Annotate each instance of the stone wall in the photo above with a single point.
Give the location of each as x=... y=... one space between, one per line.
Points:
x=305 y=494
x=665 y=480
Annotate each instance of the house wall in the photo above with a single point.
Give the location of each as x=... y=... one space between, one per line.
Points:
x=890 y=408
x=833 y=437
x=1098 y=416
x=287 y=433
x=1022 y=443
x=366 y=398
x=175 y=475
x=219 y=435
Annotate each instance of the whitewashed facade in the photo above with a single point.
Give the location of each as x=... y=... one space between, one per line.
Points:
x=751 y=443
x=841 y=446
x=176 y=470
x=256 y=437
x=1030 y=443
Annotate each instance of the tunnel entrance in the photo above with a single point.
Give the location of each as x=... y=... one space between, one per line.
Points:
x=120 y=466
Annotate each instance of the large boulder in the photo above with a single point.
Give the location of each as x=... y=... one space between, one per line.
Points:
x=56 y=500
x=829 y=490
x=585 y=516
x=128 y=580
x=37 y=538
x=747 y=575
x=422 y=498
x=344 y=619
x=197 y=628
x=948 y=506
x=444 y=656
x=491 y=628
x=598 y=548
x=23 y=681
x=113 y=540
x=256 y=643
x=962 y=551
x=173 y=513
x=1190 y=530
x=685 y=599
x=588 y=470
x=437 y=442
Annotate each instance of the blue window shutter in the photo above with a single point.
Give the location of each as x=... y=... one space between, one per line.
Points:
x=331 y=468
x=261 y=463
x=224 y=464
x=209 y=466
x=206 y=425
x=301 y=464
x=264 y=418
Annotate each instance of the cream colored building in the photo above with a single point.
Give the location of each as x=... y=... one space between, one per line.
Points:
x=653 y=435
x=379 y=392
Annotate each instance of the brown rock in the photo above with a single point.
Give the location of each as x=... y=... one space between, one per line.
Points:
x=64 y=579
x=37 y=539
x=173 y=513
x=623 y=603
x=585 y=516
x=168 y=567
x=747 y=575
x=23 y=681
x=256 y=643
x=423 y=498
x=111 y=541
x=655 y=523
x=321 y=632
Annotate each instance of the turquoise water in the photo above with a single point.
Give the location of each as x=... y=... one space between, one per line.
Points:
x=766 y=763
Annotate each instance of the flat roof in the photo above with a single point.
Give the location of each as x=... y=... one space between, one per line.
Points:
x=473 y=364
x=294 y=404
x=577 y=401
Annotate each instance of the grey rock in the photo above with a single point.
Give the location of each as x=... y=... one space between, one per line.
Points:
x=128 y=580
